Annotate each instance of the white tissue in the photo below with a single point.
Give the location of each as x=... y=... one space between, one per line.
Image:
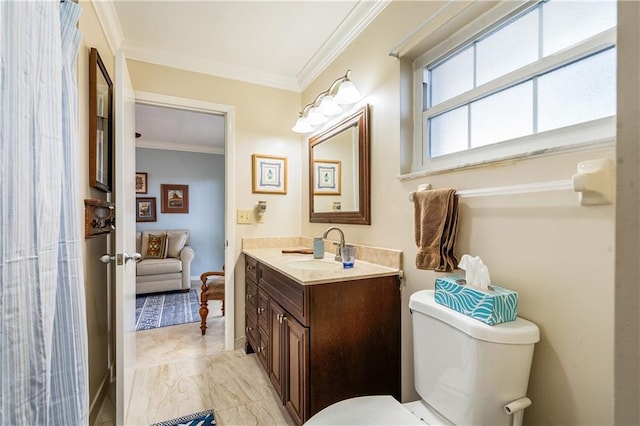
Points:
x=477 y=273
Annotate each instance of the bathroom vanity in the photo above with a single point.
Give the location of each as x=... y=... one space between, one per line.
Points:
x=322 y=335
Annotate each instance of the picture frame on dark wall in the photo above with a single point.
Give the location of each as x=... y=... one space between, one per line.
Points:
x=146 y=209
x=100 y=123
x=141 y=183
x=175 y=198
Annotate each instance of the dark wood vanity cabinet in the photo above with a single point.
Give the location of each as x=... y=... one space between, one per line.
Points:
x=323 y=343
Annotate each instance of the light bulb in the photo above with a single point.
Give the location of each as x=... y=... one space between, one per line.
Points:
x=302 y=126
x=314 y=117
x=328 y=106
x=347 y=93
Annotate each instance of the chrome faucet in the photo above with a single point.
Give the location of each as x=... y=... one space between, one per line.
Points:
x=338 y=257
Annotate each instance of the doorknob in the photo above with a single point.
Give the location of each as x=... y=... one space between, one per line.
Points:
x=134 y=256
x=122 y=258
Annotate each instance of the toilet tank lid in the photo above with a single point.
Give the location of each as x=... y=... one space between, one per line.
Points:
x=516 y=332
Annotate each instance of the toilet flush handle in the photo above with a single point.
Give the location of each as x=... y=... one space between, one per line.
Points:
x=516 y=408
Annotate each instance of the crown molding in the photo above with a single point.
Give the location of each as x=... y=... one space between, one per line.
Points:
x=173 y=146
x=357 y=20
x=109 y=22
x=141 y=52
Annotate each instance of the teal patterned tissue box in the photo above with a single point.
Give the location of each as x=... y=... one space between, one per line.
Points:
x=491 y=307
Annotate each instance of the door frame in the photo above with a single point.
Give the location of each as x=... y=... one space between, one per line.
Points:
x=228 y=111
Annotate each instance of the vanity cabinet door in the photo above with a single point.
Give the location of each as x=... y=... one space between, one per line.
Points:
x=297 y=369
x=276 y=345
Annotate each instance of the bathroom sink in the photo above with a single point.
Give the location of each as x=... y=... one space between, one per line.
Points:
x=315 y=265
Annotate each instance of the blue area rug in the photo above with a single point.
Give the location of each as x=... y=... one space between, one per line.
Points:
x=204 y=418
x=165 y=309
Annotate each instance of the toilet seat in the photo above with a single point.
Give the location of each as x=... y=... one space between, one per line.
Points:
x=365 y=410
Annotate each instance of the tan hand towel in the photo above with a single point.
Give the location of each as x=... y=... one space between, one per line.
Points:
x=435 y=219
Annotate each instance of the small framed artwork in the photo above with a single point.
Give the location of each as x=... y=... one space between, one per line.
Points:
x=269 y=174
x=175 y=198
x=327 y=176
x=146 y=209
x=141 y=183
x=100 y=123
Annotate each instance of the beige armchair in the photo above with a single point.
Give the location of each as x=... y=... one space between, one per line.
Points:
x=170 y=270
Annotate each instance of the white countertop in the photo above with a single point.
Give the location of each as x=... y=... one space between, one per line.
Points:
x=297 y=266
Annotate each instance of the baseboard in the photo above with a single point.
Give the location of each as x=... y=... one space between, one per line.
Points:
x=96 y=404
x=239 y=343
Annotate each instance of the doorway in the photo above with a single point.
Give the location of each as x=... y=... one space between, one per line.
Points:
x=224 y=148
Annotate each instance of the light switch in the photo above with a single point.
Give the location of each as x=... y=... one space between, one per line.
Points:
x=244 y=216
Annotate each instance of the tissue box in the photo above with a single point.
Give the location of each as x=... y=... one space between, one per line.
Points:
x=491 y=307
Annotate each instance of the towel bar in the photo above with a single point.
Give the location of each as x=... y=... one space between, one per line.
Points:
x=593 y=181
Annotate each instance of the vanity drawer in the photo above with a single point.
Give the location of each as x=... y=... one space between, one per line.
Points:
x=263 y=349
x=288 y=293
x=251 y=268
x=251 y=329
x=252 y=296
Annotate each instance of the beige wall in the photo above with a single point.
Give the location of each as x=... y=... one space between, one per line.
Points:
x=95 y=272
x=263 y=119
x=558 y=255
x=627 y=312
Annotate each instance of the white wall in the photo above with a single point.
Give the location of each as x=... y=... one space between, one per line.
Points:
x=204 y=174
x=558 y=255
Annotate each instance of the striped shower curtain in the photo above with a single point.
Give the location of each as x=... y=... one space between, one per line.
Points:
x=43 y=335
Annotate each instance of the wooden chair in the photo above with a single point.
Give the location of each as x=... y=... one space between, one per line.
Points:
x=213 y=290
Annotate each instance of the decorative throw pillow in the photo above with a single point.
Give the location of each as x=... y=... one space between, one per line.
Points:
x=177 y=240
x=157 y=246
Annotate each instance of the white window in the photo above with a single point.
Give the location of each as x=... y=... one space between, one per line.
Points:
x=542 y=77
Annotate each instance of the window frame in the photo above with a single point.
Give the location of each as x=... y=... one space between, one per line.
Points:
x=578 y=136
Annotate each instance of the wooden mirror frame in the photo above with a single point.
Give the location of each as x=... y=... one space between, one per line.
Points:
x=100 y=133
x=362 y=216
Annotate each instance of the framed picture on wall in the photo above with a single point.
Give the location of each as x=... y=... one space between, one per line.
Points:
x=141 y=183
x=327 y=176
x=175 y=198
x=146 y=209
x=269 y=174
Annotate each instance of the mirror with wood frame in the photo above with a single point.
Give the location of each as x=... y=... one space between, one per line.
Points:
x=339 y=172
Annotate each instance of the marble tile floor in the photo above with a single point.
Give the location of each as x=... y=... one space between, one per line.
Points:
x=180 y=372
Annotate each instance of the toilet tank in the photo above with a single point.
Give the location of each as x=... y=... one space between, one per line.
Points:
x=467 y=370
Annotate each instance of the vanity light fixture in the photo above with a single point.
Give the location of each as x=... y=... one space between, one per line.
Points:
x=341 y=92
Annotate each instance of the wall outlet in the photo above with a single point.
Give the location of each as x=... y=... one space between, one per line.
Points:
x=244 y=216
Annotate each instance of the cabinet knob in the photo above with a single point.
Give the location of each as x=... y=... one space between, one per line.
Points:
x=251 y=268
x=249 y=296
x=260 y=310
x=249 y=329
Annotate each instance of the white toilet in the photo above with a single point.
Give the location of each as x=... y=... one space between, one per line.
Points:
x=466 y=372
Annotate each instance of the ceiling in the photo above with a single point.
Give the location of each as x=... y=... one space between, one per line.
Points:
x=282 y=44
